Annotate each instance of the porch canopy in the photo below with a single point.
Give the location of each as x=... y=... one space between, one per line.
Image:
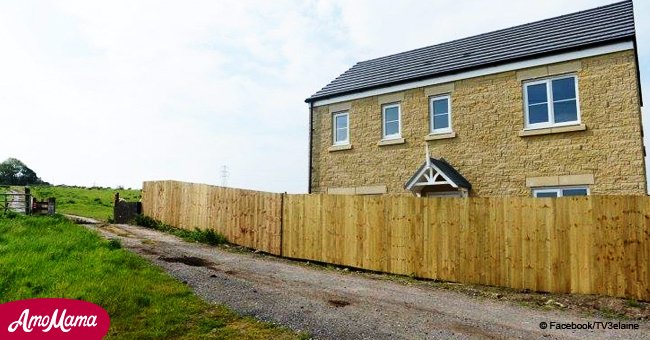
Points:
x=436 y=177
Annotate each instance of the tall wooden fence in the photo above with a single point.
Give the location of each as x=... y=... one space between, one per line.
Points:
x=245 y=217
x=591 y=245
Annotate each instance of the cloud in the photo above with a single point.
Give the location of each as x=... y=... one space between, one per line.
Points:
x=114 y=93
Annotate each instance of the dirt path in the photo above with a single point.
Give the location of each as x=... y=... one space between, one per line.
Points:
x=337 y=305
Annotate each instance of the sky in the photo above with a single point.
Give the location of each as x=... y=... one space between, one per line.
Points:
x=114 y=93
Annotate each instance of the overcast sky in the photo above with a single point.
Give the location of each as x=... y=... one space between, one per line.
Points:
x=117 y=92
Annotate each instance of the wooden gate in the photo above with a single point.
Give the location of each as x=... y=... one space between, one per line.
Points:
x=16 y=202
x=26 y=203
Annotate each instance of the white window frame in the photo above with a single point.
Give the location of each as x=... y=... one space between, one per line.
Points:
x=335 y=130
x=558 y=190
x=549 y=103
x=383 y=121
x=432 y=99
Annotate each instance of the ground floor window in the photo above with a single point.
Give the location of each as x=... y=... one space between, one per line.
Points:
x=560 y=192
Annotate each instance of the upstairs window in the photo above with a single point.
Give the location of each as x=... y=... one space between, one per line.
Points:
x=440 y=109
x=391 y=121
x=551 y=102
x=341 y=128
x=560 y=192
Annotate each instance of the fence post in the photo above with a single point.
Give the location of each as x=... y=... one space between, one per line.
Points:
x=282 y=223
x=28 y=201
x=51 y=206
x=116 y=202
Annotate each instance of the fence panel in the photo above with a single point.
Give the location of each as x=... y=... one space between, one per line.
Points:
x=592 y=245
x=248 y=218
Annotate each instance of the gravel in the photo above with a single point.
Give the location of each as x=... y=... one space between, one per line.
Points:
x=331 y=304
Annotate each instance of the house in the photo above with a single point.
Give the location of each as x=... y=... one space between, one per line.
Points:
x=550 y=108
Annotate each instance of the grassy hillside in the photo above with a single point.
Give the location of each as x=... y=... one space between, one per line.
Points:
x=52 y=257
x=94 y=202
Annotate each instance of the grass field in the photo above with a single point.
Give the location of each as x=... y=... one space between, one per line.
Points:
x=96 y=203
x=52 y=257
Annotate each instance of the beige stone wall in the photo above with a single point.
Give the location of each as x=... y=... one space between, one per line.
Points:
x=487 y=118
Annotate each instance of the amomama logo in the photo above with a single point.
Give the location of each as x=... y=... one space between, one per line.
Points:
x=52 y=319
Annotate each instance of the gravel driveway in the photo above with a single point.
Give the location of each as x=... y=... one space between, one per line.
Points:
x=338 y=305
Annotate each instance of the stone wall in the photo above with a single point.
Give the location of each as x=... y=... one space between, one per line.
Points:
x=488 y=147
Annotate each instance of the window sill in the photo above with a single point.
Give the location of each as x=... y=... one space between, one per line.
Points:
x=339 y=147
x=394 y=141
x=435 y=136
x=551 y=130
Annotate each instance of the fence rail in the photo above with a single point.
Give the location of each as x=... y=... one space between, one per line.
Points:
x=590 y=245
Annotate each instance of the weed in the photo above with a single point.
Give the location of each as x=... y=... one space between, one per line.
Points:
x=10 y=214
x=146 y=221
x=114 y=244
x=610 y=313
x=197 y=235
x=209 y=237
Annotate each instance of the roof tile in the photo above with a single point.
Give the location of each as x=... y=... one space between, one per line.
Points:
x=591 y=27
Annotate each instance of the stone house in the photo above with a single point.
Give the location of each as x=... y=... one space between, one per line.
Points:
x=550 y=108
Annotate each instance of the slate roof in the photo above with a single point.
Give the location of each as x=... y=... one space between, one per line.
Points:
x=593 y=27
x=447 y=169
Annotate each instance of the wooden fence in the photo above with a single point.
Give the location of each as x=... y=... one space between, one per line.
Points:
x=590 y=245
x=248 y=218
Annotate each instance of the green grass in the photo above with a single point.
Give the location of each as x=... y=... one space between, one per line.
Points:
x=634 y=303
x=52 y=257
x=197 y=235
x=95 y=203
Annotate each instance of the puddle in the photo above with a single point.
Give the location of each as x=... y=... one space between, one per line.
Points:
x=188 y=260
x=338 y=303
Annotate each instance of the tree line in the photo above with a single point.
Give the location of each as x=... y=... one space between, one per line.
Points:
x=15 y=172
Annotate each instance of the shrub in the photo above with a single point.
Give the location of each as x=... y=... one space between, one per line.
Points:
x=146 y=221
x=114 y=244
x=209 y=237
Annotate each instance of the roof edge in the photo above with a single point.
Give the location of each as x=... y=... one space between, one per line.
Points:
x=630 y=38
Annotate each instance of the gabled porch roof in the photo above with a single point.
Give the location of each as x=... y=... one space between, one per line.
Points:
x=437 y=172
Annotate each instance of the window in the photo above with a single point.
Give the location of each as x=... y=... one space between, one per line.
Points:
x=560 y=192
x=391 y=121
x=340 y=129
x=440 y=109
x=552 y=102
